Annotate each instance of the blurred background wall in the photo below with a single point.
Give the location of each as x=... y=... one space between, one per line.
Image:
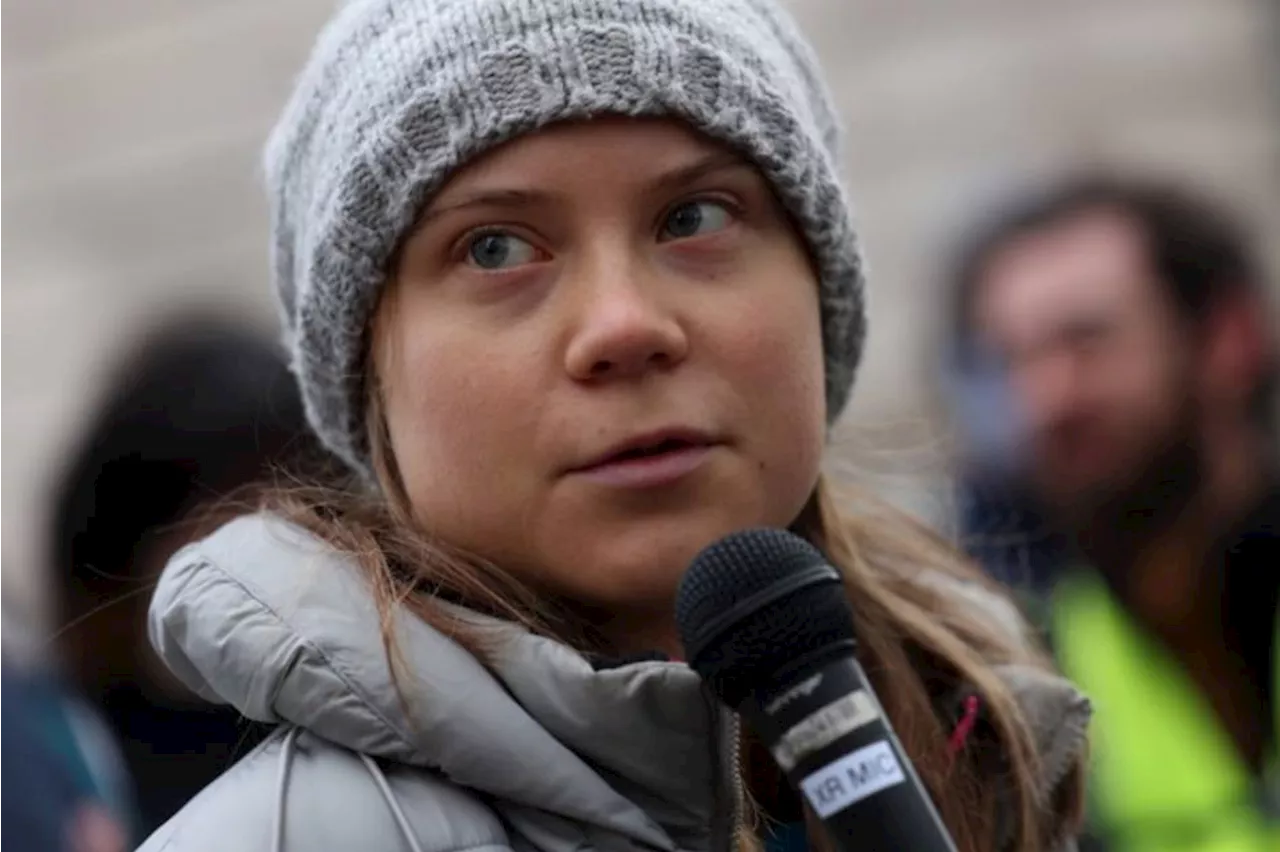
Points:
x=131 y=131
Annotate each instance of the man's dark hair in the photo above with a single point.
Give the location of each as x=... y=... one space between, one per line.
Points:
x=202 y=408
x=1197 y=251
x=1199 y=255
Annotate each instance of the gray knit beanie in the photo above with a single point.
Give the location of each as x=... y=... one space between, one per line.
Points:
x=399 y=93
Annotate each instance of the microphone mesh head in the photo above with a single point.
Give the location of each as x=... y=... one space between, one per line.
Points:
x=754 y=602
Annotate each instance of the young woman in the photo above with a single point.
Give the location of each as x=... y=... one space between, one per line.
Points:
x=572 y=287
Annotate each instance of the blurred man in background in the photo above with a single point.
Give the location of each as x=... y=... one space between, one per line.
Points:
x=1129 y=323
x=202 y=410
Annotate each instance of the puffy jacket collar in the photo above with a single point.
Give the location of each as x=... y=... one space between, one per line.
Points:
x=265 y=617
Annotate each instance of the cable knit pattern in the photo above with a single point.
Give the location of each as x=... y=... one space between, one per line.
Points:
x=400 y=93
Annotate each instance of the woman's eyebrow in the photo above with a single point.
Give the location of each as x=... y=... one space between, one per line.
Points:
x=510 y=199
x=708 y=164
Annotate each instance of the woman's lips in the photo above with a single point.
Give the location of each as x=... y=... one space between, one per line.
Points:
x=649 y=470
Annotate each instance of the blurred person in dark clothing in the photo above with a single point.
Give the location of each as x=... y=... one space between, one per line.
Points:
x=1130 y=324
x=1007 y=533
x=64 y=787
x=50 y=802
x=1001 y=524
x=203 y=408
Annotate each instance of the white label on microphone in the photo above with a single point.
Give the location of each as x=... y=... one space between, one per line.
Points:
x=824 y=726
x=852 y=778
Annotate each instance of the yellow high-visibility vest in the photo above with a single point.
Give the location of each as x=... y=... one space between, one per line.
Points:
x=1165 y=777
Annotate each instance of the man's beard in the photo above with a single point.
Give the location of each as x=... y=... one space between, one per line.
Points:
x=1112 y=523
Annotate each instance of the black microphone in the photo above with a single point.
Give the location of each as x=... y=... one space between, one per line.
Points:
x=765 y=623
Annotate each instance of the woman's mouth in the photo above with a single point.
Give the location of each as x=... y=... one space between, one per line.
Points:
x=650 y=461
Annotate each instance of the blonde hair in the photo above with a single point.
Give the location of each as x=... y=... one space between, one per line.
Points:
x=918 y=636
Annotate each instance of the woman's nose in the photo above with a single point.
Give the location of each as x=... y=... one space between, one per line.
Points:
x=624 y=329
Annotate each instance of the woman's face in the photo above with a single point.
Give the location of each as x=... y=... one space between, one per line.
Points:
x=601 y=352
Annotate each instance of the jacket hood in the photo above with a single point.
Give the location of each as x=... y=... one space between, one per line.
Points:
x=265 y=617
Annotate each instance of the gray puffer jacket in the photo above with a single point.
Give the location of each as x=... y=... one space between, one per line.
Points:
x=542 y=751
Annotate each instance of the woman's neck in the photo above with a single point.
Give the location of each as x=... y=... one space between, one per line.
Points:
x=631 y=632
x=628 y=637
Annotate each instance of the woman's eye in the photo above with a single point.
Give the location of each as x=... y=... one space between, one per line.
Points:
x=693 y=218
x=498 y=250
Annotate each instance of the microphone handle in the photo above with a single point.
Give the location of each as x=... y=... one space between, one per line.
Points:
x=827 y=731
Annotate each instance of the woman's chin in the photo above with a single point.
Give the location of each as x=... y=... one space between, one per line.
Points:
x=649 y=555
